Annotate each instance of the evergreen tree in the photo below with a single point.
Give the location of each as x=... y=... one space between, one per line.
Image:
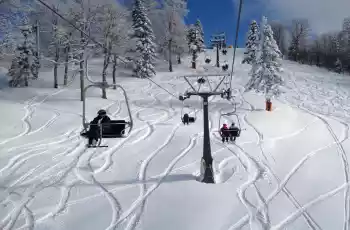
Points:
x=25 y=63
x=193 y=43
x=144 y=36
x=252 y=43
x=293 y=50
x=265 y=69
x=200 y=36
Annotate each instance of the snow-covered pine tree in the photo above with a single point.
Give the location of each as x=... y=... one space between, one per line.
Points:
x=7 y=43
x=200 y=36
x=24 y=63
x=251 y=43
x=265 y=75
x=193 y=43
x=145 y=47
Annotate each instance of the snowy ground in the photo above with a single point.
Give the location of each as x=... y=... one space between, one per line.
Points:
x=288 y=170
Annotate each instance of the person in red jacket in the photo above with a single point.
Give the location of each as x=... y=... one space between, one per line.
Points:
x=225 y=133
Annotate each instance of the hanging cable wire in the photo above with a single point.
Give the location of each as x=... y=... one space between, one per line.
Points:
x=162 y=88
x=75 y=27
x=236 y=39
x=96 y=42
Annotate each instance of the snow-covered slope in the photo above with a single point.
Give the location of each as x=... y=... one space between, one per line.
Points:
x=288 y=170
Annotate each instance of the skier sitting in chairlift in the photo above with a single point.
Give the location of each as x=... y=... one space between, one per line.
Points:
x=225 y=133
x=94 y=131
x=234 y=132
x=186 y=119
x=225 y=66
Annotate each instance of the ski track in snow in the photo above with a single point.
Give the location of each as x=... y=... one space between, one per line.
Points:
x=43 y=183
x=138 y=202
x=302 y=210
x=135 y=218
x=341 y=152
x=77 y=160
x=260 y=219
x=309 y=220
x=142 y=177
x=30 y=108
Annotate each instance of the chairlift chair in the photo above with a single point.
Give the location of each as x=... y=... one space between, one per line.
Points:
x=113 y=128
x=190 y=118
x=225 y=67
x=234 y=133
x=201 y=80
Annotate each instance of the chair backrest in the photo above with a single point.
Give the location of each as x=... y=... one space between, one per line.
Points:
x=114 y=128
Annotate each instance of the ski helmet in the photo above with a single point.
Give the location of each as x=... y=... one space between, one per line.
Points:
x=102 y=112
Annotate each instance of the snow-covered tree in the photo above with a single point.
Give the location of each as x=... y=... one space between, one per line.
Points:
x=280 y=35
x=346 y=32
x=24 y=64
x=7 y=44
x=194 y=50
x=251 y=43
x=200 y=36
x=299 y=33
x=193 y=39
x=111 y=24
x=265 y=71
x=145 y=47
x=180 y=42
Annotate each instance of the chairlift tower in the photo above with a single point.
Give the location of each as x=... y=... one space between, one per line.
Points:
x=207 y=159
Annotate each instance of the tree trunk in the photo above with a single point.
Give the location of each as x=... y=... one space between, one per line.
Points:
x=170 y=55
x=194 y=59
x=65 y=79
x=114 y=70
x=217 y=56
x=81 y=65
x=67 y=51
x=26 y=73
x=105 y=65
x=55 y=68
x=37 y=44
x=107 y=54
x=57 y=50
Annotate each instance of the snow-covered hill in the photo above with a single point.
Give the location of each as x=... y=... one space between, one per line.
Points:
x=288 y=170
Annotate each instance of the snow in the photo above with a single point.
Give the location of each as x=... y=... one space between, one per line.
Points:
x=288 y=170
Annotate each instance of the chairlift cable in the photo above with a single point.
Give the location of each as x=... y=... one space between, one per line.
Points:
x=236 y=39
x=173 y=95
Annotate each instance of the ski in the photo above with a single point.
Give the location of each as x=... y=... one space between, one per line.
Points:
x=101 y=146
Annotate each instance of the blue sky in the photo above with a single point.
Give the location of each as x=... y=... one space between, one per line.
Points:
x=220 y=16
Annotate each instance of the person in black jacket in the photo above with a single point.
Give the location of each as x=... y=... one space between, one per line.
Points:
x=186 y=119
x=94 y=131
x=234 y=132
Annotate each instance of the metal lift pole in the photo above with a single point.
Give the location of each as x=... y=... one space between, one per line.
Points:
x=207 y=159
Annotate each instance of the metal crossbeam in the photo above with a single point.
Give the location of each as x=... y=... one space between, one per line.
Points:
x=186 y=77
